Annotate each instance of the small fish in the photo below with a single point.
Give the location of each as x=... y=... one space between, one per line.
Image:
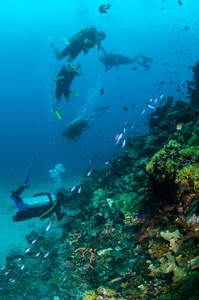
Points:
x=170 y=82
x=106 y=163
x=155 y=100
x=134 y=69
x=48 y=227
x=143 y=112
x=27 y=250
x=101 y=91
x=161 y=96
x=115 y=280
x=120 y=98
x=151 y=106
x=179 y=126
x=79 y=190
x=46 y=255
x=22 y=267
x=103 y=8
x=155 y=117
x=133 y=105
x=125 y=108
x=192 y=87
x=37 y=254
x=33 y=242
x=162 y=82
x=120 y=136
x=124 y=143
x=73 y=188
x=89 y=173
x=179 y=2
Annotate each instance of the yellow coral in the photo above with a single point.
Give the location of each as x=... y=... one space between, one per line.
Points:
x=162 y=163
x=89 y=295
x=189 y=152
x=188 y=177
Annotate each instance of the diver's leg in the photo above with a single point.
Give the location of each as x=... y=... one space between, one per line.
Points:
x=67 y=94
x=20 y=190
x=146 y=58
x=90 y=122
x=56 y=52
x=58 y=94
x=89 y=118
x=146 y=66
x=56 y=102
x=70 y=58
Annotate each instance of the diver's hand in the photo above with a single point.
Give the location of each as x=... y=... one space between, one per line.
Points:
x=98 y=46
x=58 y=78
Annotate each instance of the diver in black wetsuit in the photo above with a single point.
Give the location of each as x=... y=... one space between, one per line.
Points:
x=75 y=127
x=81 y=41
x=41 y=205
x=115 y=60
x=63 y=83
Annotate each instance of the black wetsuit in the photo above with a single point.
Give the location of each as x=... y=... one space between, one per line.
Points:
x=77 y=42
x=114 y=60
x=63 y=85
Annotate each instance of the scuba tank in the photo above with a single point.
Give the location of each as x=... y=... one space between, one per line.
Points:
x=42 y=199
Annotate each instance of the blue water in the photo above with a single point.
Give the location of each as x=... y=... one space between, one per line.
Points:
x=28 y=127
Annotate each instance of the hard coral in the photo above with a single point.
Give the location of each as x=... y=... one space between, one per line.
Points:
x=162 y=165
x=188 y=178
x=89 y=295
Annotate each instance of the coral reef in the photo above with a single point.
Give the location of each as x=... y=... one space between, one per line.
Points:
x=136 y=233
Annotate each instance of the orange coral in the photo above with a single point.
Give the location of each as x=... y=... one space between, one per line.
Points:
x=92 y=259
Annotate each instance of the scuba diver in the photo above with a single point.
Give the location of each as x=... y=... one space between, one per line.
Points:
x=42 y=205
x=75 y=128
x=115 y=60
x=63 y=82
x=81 y=41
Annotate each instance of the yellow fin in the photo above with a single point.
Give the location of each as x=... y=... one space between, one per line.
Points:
x=57 y=114
x=74 y=93
x=66 y=41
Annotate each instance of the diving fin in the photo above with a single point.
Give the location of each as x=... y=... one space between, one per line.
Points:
x=57 y=114
x=74 y=93
x=146 y=66
x=146 y=58
x=28 y=175
x=102 y=108
x=66 y=41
